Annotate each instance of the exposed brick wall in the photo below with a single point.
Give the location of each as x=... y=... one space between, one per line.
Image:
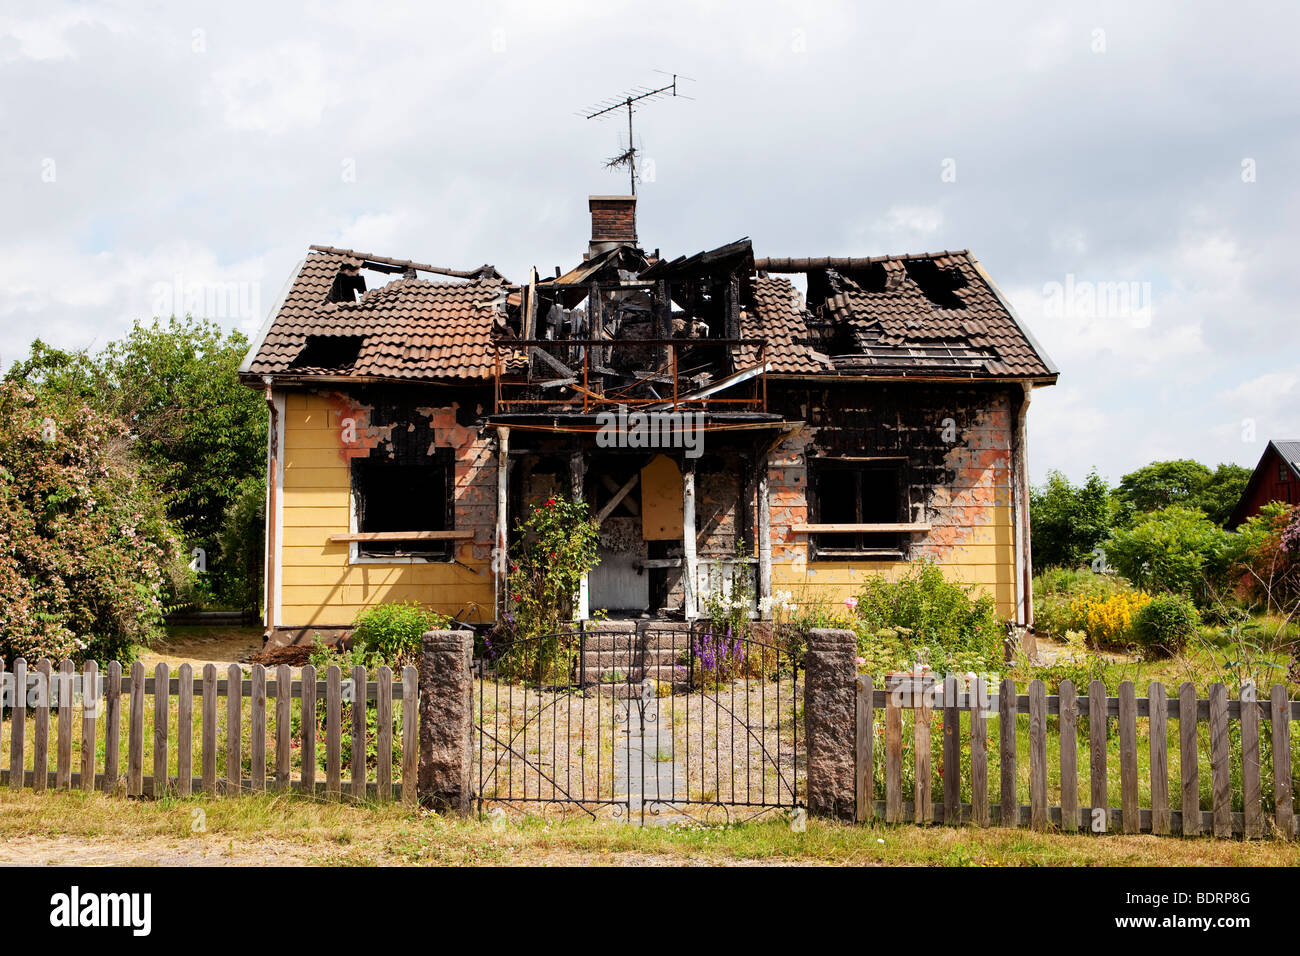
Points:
x=961 y=487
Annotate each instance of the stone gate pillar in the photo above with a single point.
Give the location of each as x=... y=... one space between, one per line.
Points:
x=446 y=720
x=830 y=701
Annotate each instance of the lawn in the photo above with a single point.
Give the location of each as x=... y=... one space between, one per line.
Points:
x=75 y=828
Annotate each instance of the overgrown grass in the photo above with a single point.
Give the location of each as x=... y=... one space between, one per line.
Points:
x=257 y=829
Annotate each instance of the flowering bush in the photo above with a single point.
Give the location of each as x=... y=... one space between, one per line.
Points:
x=557 y=545
x=718 y=658
x=86 y=554
x=1109 y=621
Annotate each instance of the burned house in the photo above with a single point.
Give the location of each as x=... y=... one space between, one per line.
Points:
x=806 y=422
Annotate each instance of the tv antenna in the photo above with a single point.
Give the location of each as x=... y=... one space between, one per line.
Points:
x=629 y=101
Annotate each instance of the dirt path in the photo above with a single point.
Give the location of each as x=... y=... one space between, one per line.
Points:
x=150 y=851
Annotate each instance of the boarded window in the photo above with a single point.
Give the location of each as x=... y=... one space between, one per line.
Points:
x=857 y=493
x=404 y=497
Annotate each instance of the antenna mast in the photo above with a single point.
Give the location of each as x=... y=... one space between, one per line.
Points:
x=628 y=102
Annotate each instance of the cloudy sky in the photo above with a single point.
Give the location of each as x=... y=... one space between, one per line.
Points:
x=1127 y=173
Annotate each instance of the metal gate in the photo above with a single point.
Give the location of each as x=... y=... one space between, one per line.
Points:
x=637 y=720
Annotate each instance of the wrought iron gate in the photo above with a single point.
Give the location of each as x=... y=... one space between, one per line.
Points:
x=627 y=719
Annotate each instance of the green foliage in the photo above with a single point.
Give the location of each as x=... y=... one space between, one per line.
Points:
x=1068 y=522
x=1176 y=549
x=944 y=621
x=1183 y=482
x=86 y=552
x=243 y=544
x=1162 y=483
x=1060 y=594
x=390 y=633
x=199 y=434
x=1165 y=624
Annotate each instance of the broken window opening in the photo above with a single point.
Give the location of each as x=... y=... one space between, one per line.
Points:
x=404 y=497
x=337 y=352
x=856 y=493
x=938 y=285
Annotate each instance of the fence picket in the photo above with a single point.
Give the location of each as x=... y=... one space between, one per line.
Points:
x=1189 y=759
x=1128 y=756
x=384 y=738
x=1069 y=707
x=234 y=719
x=1007 y=731
x=893 y=759
x=185 y=730
x=135 y=734
x=951 y=754
x=17 y=692
x=112 y=725
x=1158 y=733
x=18 y=725
x=308 y=728
x=1037 y=755
x=922 y=811
x=1280 y=718
x=979 y=756
x=1253 y=816
x=209 y=754
x=410 y=733
x=257 y=731
x=358 y=732
x=333 y=719
x=1097 y=790
x=41 y=732
x=63 y=762
x=283 y=725
x=865 y=734
x=161 y=708
x=91 y=701
x=1220 y=780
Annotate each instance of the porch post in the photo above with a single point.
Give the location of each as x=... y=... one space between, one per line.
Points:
x=690 y=598
x=763 y=506
x=500 y=547
x=577 y=481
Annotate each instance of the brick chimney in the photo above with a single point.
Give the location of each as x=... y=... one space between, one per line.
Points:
x=613 y=222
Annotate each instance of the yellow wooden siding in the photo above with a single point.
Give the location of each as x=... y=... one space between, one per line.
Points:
x=985 y=558
x=318 y=585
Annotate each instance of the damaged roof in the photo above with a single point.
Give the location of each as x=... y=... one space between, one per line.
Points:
x=409 y=329
x=934 y=315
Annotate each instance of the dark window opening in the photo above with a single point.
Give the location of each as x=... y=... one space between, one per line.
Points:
x=329 y=351
x=1282 y=471
x=855 y=492
x=347 y=287
x=404 y=497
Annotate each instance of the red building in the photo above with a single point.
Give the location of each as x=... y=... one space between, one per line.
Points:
x=1276 y=478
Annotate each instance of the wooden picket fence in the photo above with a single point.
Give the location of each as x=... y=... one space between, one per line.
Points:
x=1159 y=817
x=99 y=699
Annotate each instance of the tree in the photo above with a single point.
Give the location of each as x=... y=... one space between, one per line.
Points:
x=199 y=434
x=1221 y=492
x=85 y=549
x=1068 y=523
x=1162 y=483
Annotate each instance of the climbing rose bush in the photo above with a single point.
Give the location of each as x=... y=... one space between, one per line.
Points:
x=85 y=550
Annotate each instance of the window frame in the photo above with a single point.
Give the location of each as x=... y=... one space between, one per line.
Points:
x=431 y=552
x=818 y=551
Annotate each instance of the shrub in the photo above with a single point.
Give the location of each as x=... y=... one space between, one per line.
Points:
x=1176 y=549
x=556 y=546
x=1056 y=592
x=243 y=545
x=934 y=617
x=1108 y=621
x=1165 y=623
x=86 y=553
x=390 y=633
